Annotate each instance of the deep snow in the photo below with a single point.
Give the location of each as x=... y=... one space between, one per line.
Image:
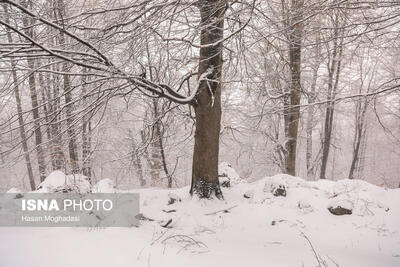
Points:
x=257 y=230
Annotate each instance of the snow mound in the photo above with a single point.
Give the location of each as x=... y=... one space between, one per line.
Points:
x=227 y=175
x=104 y=186
x=14 y=190
x=57 y=181
x=14 y=193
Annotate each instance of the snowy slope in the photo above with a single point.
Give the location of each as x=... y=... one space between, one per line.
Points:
x=257 y=230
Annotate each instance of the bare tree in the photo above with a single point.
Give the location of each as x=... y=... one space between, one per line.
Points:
x=334 y=68
x=34 y=98
x=20 y=114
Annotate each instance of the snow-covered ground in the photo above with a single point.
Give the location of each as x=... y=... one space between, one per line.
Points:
x=250 y=227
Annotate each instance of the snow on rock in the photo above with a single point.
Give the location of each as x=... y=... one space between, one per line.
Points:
x=14 y=193
x=57 y=181
x=249 y=194
x=14 y=190
x=104 y=186
x=341 y=207
x=173 y=198
x=227 y=175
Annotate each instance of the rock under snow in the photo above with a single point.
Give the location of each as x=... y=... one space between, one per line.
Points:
x=14 y=193
x=276 y=185
x=173 y=198
x=341 y=207
x=57 y=181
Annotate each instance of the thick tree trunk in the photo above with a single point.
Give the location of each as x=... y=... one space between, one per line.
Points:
x=34 y=101
x=292 y=109
x=19 y=111
x=205 y=181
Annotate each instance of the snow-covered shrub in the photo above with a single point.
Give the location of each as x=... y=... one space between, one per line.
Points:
x=227 y=175
x=104 y=186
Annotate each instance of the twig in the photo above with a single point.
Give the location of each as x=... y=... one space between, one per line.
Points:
x=312 y=247
x=224 y=210
x=168 y=223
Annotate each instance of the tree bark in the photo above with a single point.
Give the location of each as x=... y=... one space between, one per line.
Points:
x=205 y=181
x=292 y=102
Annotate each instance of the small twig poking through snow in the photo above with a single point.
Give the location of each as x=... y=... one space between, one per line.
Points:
x=169 y=211
x=224 y=210
x=321 y=261
x=168 y=223
x=312 y=247
x=185 y=240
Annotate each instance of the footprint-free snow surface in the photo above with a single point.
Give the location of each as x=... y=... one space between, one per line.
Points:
x=276 y=221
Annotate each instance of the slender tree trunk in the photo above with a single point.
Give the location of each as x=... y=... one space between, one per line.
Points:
x=205 y=181
x=155 y=145
x=158 y=145
x=86 y=134
x=136 y=161
x=310 y=109
x=292 y=109
x=146 y=153
x=333 y=80
x=358 y=136
x=34 y=101
x=72 y=147
x=158 y=151
x=57 y=154
x=22 y=131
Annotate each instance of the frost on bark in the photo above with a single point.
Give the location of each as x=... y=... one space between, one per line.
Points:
x=205 y=181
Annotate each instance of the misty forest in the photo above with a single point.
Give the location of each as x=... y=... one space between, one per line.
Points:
x=156 y=93
x=213 y=100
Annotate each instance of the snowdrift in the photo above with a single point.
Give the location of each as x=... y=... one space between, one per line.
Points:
x=275 y=221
